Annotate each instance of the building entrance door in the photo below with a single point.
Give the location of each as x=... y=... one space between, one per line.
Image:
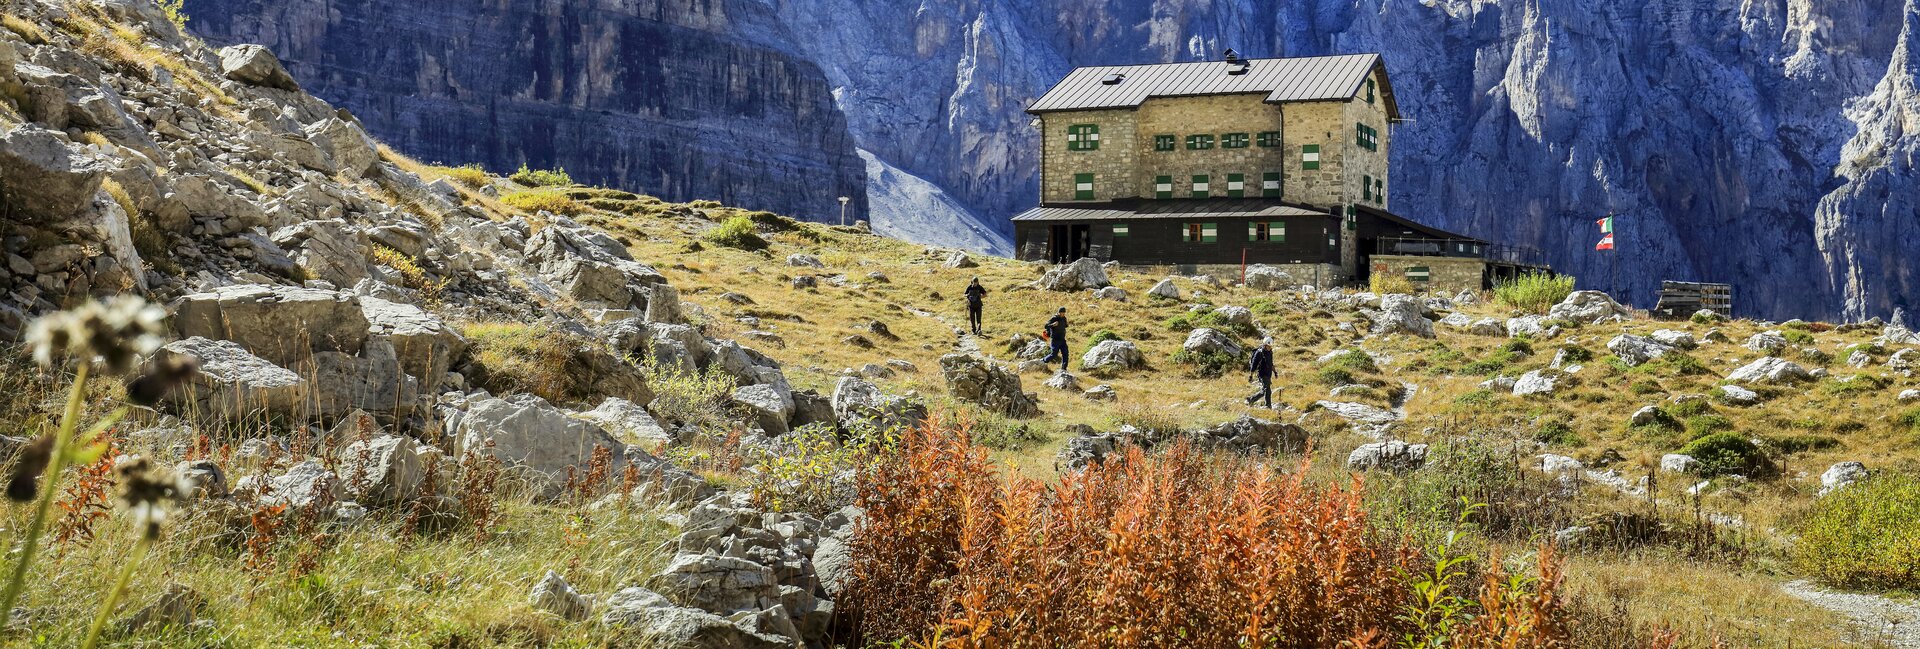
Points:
x=1068 y=242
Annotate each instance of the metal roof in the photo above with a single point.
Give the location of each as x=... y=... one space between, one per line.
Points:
x=1313 y=78
x=1169 y=209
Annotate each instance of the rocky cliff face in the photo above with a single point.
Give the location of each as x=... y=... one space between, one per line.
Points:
x=658 y=96
x=1761 y=142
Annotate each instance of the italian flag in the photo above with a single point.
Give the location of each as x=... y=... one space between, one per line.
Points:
x=1606 y=228
x=1606 y=243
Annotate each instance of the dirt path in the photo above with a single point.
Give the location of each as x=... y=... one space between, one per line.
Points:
x=1892 y=622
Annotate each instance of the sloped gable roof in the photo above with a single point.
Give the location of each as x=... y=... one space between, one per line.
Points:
x=1313 y=78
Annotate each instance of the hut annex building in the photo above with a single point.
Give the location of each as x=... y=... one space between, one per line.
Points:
x=1209 y=166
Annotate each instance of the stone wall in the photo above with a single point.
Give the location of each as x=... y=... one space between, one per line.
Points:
x=1112 y=165
x=1327 y=275
x=1445 y=275
x=1215 y=116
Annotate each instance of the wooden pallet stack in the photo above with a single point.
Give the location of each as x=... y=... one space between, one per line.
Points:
x=1683 y=299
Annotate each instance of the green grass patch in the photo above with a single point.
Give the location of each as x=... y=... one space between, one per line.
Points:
x=534 y=201
x=542 y=177
x=1101 y=336
x=737 y=232
x=1726 y=454
x=1535 y=292
x=1866 y=535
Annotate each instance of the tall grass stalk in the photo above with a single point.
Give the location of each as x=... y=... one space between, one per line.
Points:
x=1534 y=292
x=119 y=589
x=57 y=463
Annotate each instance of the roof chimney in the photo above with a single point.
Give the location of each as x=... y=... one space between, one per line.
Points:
x=1232 y=56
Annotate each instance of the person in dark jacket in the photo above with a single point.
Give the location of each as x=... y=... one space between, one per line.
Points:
x=1260 y=368
x=976 y=298
x=1057 y=336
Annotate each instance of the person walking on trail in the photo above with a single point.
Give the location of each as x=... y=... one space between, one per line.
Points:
x=1056 y=333
x=976 y=298
x=1260 y=368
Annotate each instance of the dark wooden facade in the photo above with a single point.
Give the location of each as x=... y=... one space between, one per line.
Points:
x=1160 y=241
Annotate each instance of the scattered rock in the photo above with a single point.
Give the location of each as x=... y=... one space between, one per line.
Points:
x=974 y=379
x=554 y=595
x=1770 y=370
x=1082 y=275
x=1544 y=381
x=1165 y=289
x=1100 y=392
x=256 y=65
x=1841 y=475
x=1113 y=293
x=1207 y=341
x=1111 y=357
x=384 y=470
x=1650 y=416
x=1587 y=307
x=1261 y=277
x=1675 y=339
x=1403 y=314
x=1392 y=455
x=1635 y=350
x=804 y=261
x=960 y=260
x=1677 y=463
x=1767 y=342
x=1063 y=381
x=628 y=420
x=1739 y=396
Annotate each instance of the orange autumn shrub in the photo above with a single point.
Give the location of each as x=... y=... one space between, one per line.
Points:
x=1175 y=549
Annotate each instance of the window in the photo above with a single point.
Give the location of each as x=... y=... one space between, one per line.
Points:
x=1236 y=185
x=1267 y=231
x=1200 y=186
x=1365 y=137
x=1310 y=156
x=1199 y=142
x=1353 y=218
x=1163 y=142
x=1269 y=138
x=1270 y=184
x=1163 y=187
x=1119 y=229
x=1369 y=91
x=1418 y=274
x=1083 y=137
x=1200 y=233
x=1380 y=190
x=1083 y=187
x=1233 y=141
x=1366 y=188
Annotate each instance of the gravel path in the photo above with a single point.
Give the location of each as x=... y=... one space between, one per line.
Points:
x=1893 y=622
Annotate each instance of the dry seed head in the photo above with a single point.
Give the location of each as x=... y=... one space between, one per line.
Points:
x=115 y=333
x=147 y=493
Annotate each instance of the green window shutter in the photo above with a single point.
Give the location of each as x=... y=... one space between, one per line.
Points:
x=1418 y=274
x=1083 y=137
x=1366 y=187
x=1209 y=232
x=1193 y=142
x=1270 y=184
x=1379 y=190
x=1200 y=186
x=1359 y=134
x=1119 y=229
x=1369 y=91
x=1199 y=142
x=1163 y=187
x=1233 y=141
x=1236 y=185
x=1253 y=230
x=1269 y=139
x=1278 y=232
x=1083 y=187
x=1353 y=217
x=1186 y=232
x=1310 y=156
x=1163 y=142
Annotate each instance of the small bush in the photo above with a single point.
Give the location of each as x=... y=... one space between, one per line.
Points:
x=1797 y=336
x=737 y=232
x=1334 y=376
x=1575 y=354
x=1535 y=292
x=813 y=471
x=1353 y=360
x=1208 y=365
x=1557 y=433
x=1475 y=399
x=517 y=357
x=773 y=222
x=251 y=182
x=1263 y=306
x=1866 y=535
x=176 y=11
x=1909 y=419
x=1853 y=385
x=1726 y=454
x=1101 y=336
x=544 y=200
x=541 y=177
x=1008 y=435
x=1689 y=408
x=1386 y=284
x=411 y=274
x=1802 y=443
x=1517 y=347
x=1704 y=318
x=472 y=176
x=1703 y=425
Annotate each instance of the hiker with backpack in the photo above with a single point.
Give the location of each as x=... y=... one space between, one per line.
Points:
x=1260 y=368
x=976 y=297
x=1056 y=334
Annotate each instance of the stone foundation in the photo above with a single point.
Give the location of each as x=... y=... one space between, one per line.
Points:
x=1327 y=275
x=1445 y=275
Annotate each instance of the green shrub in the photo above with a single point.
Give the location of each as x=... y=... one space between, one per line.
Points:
x=1535 y=292
x=1206 y=365
x=1557 y=433
x=773 y=222
x=1866 y=535
x=1646 y=387
x=471 y=175
x=1797 y=336
x=1263 y=306
x=737 y=232
x=544 y=200
x=1802 y=443
x=1334 y=376
x=1704 y=318
x=1689 y=408
x=1387 y=284
x=542 y=177
x=1517 y=347
x=1703 y=425
x=1856 y=384
x=1725 y=454
x=1101 y=336
x=1575 y=354
x=1488 y=366
x=1353 y=360
x=1475 y=399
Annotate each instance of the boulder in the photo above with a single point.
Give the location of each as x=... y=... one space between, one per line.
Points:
x=1261 y=277
x=1207 y=341
x=1063 y=381
x=1675 y=339
x=1112 y=356
x=1635 y=350
x=722 y=584
x=589 y=266
x=1250 y=434
x=255 y=65
x=1402 y=314
x=960 y=260
x=858 y=402
x=1678 y=463
x=533 y=438
x=231 y=385
x=1841 y=475
x=1650 y=416
x=425 y=345
x=1738 y=396
x=385 y=470
x=1529 y=325
x=374 y=381
x=1770 y=370
x=46 y=179
x=329 y=250
x=554 y=595
x=1084 y=274
x=1587 y=307
x=1113 y=293
x=1557 y=464
x=974 y=379
x=1367 y=420
x=804 y=261
x=1165 y=289
x=650 y=615
x=282 y=324
x=627 y=420
x=351 y=149
x=1488 y=327
x=1238 y=318
x=1767 y=342
x=1102 y=392
x=1909 y=396
x=304 y=485
x=1390 y=455
x=200 y=478
x=770 y=407
x=1461 y=321
x=1538 y=382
